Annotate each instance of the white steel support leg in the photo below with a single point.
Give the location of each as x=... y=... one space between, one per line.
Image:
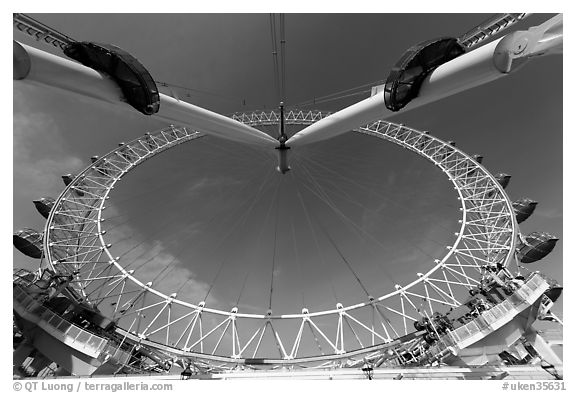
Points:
x=294 y=351
x=250 y=341
x=543 y=348
x=353 y=332
x=260 y=339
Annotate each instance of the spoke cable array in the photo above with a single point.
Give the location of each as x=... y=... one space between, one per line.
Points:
x=76 y=243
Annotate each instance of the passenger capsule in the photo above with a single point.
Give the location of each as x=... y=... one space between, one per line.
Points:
x=68 y=179
x=44 y=205
x=404 y=81
x=136 y=83
x=28 y=242
x=524 y=209
x=503 y=179
x=479 y=158
x=536 y=246
x=101 y=167
x=554 y=292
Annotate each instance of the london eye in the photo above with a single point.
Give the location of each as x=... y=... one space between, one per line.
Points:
x=283 y=239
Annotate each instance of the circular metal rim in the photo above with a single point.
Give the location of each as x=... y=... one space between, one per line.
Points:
x=381 y=129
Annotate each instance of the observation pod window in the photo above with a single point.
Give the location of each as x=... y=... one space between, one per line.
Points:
x=405 y=79
x=69 y=178
x=503 y=179
x=29 y=242
x=536 y=246
x=44 y=205
x=524 y=209
x=136 y=83
x=554 y=292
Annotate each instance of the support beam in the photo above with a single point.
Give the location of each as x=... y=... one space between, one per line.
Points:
x=480 y=66
x=39 y=68
x=543 y=348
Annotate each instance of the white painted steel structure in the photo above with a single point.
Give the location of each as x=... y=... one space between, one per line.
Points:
x=477 y=67
x=40 y=68
x=490 y=28
x=75 y=242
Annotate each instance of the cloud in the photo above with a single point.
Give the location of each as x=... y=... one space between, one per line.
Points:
x=154 y=263
x=250 y=308
x=168 y=274
x=39 y=150
x=199 y=187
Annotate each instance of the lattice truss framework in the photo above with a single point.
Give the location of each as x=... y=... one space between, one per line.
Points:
x=75 y=243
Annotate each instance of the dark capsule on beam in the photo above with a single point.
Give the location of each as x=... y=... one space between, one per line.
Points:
x=503 y=179
x=524 y=208
x=44 y=206
x=405 y=79
x=536 y=246
x=28 y=242
x=136 y=83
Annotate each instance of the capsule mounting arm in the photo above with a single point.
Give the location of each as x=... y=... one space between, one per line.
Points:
x=464 y=72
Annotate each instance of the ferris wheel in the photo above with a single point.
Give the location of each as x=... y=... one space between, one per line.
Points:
x=401 y=325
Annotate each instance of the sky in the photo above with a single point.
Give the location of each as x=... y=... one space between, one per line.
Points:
x=184 y=209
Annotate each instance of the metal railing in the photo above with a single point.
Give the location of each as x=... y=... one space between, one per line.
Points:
x=72 y=334
x=498 y=312
x=40 y=32
x=484 y=321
